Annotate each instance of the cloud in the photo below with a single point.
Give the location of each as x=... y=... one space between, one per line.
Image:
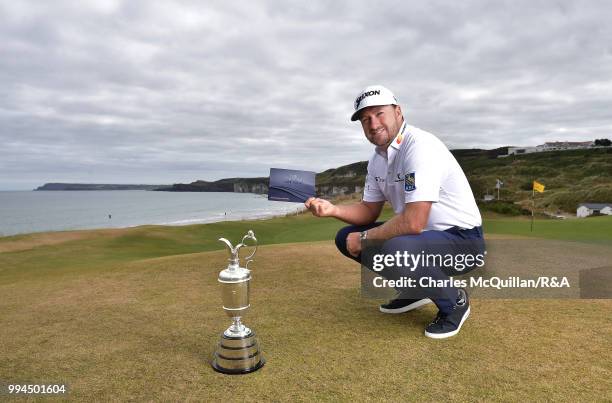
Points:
x=163 y=92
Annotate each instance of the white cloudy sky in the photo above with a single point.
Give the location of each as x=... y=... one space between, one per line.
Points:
x=166 y=92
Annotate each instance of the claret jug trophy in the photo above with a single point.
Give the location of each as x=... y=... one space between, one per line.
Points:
x=238 y=350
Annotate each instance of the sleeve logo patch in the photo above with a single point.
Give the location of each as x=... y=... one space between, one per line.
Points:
x=409 y=182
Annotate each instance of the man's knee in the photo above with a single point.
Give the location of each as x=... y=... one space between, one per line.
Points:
x=407 y=251
x=345 y=231
x=341 y=238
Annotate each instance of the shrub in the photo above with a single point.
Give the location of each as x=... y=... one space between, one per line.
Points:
x=503 y=207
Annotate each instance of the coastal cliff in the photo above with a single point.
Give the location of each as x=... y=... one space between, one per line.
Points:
x=236 y=185
x=94 y=186
x=332 y=182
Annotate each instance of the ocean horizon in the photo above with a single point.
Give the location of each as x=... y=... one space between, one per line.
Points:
x=23 y=212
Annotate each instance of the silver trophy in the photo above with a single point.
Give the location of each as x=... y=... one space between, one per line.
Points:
x=238 y=350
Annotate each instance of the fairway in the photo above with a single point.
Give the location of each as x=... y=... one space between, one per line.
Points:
x=136 y=313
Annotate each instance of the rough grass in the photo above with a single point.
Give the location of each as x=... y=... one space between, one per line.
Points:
x=135 y=315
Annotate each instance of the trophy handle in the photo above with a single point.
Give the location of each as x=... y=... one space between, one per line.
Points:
x=249 y=235
x=229 y=246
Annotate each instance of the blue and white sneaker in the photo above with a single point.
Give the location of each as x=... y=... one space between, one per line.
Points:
x=448 y=324
x=403 y=305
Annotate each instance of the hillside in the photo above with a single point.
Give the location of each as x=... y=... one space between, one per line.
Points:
x=571 y=177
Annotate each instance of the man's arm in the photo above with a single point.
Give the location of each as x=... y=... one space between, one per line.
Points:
x=412 y=221
x=361 y=213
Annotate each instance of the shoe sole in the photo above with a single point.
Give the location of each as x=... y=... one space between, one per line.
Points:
x=406 y=308
x=449 y=334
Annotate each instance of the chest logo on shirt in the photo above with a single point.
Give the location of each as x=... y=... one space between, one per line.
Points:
x=409 y=182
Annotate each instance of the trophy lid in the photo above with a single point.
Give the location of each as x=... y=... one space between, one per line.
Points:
x=234 y=275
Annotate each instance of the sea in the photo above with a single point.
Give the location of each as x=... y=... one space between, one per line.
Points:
x=40 y=211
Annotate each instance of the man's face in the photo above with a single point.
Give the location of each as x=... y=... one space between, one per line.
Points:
x=381 y=123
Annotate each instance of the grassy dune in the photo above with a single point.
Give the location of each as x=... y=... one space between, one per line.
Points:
x=135 y=314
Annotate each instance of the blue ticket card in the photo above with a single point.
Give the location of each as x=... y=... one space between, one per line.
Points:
x=290 y=185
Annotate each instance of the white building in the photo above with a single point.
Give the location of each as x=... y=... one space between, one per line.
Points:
x=587 y=209
x=564 y=145
x=551 y=146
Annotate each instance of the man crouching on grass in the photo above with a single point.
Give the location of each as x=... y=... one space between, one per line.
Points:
x=435 y=210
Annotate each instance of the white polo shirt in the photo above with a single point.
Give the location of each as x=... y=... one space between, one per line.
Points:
x=417 y=166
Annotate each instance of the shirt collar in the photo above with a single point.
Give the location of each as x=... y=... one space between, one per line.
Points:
x=396 y=143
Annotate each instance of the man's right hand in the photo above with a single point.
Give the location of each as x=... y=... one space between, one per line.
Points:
x=320 y=207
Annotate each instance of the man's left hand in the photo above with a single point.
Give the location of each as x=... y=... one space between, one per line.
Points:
x=353 y=243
